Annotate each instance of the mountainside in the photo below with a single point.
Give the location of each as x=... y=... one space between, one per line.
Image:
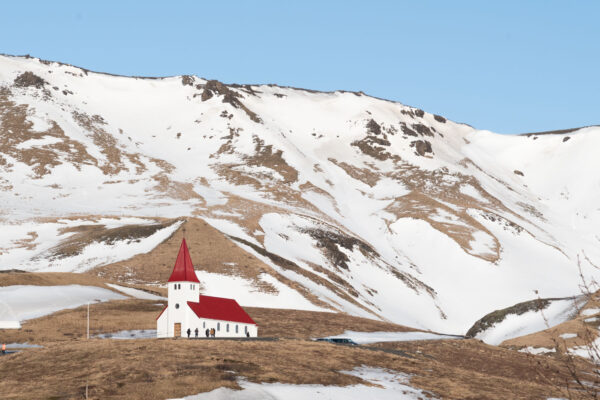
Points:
x=336 y=201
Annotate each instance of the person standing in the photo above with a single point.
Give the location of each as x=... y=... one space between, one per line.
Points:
x=196 y=332
x=189 y=331
x=207 y=332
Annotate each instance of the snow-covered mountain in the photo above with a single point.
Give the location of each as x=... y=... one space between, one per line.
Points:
x=376 y=208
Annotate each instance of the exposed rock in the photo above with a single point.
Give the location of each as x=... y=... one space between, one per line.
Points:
x=331 y=243
x=27 y=79
x=422 y=129
x=214 y=87
x=517 y=172
x=422 y=147
x=439 y=118
x=187 y=80
x=566 y=138
x=407 y=131
x=374 y=127
x=495 y=317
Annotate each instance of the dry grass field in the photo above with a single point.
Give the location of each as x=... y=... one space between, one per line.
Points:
x=167 y=368
x=50 y=279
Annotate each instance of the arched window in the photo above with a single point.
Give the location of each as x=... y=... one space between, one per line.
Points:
x=236 y=329
x=227 y=328
x=204 y=324
x=218 y=326
x=176 y=305
x=245 y=329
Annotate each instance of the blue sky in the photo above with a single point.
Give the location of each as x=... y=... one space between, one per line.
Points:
x=506 y=66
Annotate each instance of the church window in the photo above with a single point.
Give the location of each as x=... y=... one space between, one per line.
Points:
x=218 y=326
x=236 y=329
x=227 y=327
x=176 y=305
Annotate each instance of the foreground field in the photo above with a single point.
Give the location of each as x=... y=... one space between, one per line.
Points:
x=171 y=368
x=167 y=368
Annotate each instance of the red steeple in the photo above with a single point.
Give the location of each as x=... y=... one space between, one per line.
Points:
x=184 y=269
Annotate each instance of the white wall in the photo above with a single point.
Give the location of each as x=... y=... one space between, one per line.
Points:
x=188 y=292
x=203 y=324
x=162 y=327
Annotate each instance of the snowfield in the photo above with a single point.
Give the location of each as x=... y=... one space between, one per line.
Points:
x=377 y=337
x=23 y=302
x=375 y=208
x=387 y=385
x=532 y=321
x=43 y=242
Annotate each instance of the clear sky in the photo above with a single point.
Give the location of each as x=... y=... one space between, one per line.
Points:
x=506 y=66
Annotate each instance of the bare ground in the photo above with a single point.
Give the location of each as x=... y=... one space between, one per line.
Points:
x=166 y=368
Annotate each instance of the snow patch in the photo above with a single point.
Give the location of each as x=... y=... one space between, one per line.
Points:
x=514 y=325
x=136 y=293
x=376 y=337
x=389 y=385
x=23 y=302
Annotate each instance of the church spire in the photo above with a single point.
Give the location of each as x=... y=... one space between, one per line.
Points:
x=184 y=269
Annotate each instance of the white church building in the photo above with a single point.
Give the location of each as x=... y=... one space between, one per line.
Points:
x=187 y=309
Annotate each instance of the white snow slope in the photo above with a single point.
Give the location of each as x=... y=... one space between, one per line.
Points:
x=379 y=209
x=23 y=302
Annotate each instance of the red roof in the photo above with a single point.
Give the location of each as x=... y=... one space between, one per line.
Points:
x=220 y=309
x=184 y=269
x=161 y=313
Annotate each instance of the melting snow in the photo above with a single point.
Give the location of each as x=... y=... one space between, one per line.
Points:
x=136 y=293
x=390 y=385
x=22 y=302
x=131 y=334
x=532 y=321
x=375 y=337
x=537 y=350
x=568 y=335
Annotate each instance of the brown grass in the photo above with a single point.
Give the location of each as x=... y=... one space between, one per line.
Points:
x=310 y=324
x=49 y=279
x=166 y=368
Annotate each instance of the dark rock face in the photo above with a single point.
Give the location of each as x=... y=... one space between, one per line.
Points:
x=439 y=118
x=374 y=127
x=422 y=129
x=566 y=138
x=214 y=87
x=407 y=131
x=422 y=147
x=517 y=172
x=27 y=79
x=187 y=80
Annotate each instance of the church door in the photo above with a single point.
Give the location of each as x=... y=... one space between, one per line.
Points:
x=177 y=329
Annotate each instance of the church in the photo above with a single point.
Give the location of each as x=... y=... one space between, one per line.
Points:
x=188 y=310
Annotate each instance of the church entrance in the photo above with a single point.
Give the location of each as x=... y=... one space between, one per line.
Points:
x=177 y=329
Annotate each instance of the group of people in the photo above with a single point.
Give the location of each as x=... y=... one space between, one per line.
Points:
x=209 y=332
